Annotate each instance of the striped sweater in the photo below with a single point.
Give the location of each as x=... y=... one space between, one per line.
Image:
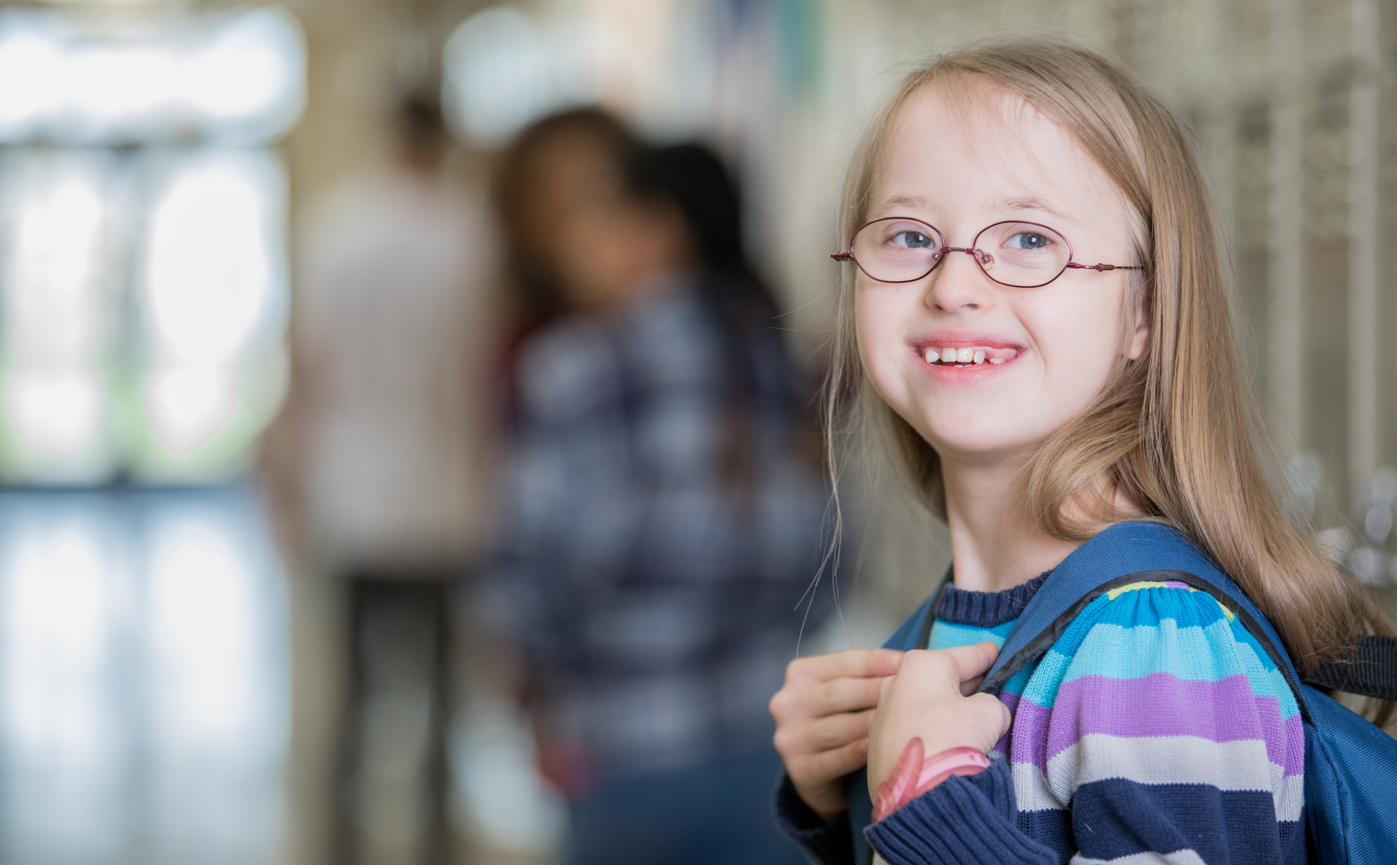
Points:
x=1156 y=730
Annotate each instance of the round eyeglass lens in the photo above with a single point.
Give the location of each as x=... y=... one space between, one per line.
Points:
x=1022 y=254
x=896 y=249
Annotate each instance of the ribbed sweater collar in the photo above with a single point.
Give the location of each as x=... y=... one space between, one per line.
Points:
x=986 y=609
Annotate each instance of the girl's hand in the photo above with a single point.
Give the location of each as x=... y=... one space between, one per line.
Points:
x=822 y=721
x=928 y=699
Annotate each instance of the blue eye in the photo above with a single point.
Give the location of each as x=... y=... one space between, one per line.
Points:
x=1029 y=240
x=912 y=240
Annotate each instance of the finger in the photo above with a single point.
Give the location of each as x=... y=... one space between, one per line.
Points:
x=886 y=662
x=970 y=686
x=805 y=700
x=847 y=695
x=828 y=765
x=835 y=731
x=851 y=663
x=994 y=715
x=971 y=662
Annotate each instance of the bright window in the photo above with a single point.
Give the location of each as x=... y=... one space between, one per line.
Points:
x=143 y=273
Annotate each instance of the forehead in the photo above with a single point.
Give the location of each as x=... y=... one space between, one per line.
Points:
x=571 y=159
x=969 y=149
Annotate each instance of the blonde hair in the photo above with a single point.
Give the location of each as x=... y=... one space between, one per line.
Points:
x=1170 y=431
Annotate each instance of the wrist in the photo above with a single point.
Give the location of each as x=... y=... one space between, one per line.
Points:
x=831 y=816
x=827 y=802
x=914 y=774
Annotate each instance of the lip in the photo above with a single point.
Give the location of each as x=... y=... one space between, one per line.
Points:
x=964 y=339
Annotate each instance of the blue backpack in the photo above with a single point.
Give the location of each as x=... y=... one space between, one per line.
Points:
x=1350 y=765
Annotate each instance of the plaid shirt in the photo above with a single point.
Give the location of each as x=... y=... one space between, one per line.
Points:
x=657 y=606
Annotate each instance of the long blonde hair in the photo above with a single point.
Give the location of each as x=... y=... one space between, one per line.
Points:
x=1171 y=431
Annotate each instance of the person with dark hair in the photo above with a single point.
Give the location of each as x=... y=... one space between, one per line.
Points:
x=547 y=169
x=664 y=513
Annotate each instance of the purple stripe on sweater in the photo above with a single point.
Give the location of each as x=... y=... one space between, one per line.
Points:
x=1159 y=704
x=1011 y=701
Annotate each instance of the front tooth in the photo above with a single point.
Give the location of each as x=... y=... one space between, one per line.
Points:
x=965 y=355
x=979 y=357
x=996 y=360
x=932 y=355
x=948 y=355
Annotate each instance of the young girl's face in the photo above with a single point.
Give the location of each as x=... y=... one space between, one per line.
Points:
x=1057 y=344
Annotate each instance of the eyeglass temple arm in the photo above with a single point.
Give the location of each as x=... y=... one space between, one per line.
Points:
x=841 y=256
x=1100 y=267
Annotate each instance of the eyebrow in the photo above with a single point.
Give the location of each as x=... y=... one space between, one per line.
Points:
x=1028 y=203
x=1022 y=203
x=904 y=201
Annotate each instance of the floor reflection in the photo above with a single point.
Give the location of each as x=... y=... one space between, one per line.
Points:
x=144 y=705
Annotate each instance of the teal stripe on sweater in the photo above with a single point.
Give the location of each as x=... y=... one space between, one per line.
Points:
x=948 y=635
x=1096 y=646
x=1207 y=646
x=1196 y=654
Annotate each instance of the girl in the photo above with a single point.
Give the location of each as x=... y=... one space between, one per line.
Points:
x=1037 y=310
x=659 y=504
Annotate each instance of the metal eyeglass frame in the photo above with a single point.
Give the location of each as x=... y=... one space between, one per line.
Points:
x=981 y=257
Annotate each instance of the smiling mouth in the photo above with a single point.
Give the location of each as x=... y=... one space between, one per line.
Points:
x=967 y=356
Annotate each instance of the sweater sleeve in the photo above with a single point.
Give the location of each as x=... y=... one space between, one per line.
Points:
x=825 y=843
x=1156 y=730
x=963 y=820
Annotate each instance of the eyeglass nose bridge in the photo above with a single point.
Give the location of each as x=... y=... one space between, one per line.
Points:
x=982 y=258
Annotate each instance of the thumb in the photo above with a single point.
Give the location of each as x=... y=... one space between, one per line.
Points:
x=972 y=662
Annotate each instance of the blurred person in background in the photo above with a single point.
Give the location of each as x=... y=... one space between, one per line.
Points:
x=395 y=337
x=395 y=357
x=551 y=168
x=663 y=499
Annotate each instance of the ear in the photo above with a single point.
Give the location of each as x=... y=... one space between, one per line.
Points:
x=1140 y=339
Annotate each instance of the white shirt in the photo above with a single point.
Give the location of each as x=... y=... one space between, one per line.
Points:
x=394 y=321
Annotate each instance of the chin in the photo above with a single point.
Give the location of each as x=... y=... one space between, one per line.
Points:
x=979 y=443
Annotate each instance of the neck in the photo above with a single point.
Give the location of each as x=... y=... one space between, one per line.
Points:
x=996 y=543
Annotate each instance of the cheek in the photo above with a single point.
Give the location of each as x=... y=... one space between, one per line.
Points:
x=878 y=315
x=1080 y=344
x=586 y=259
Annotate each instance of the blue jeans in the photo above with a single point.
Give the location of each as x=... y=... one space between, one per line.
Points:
x=715 y=814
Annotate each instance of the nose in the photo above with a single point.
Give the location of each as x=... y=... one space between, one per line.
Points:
x=959 y=285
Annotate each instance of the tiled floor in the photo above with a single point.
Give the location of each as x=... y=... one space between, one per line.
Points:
x=170 y=694
x=144 y=679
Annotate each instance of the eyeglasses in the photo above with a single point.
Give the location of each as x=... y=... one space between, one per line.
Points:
x=1020 y=254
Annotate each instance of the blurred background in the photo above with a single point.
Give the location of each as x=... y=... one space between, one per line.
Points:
x=288 y=311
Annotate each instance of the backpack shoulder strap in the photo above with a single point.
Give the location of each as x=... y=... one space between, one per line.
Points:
x=1129 y=552
x=1371 y=671
x=905 y=637
x=916 y=630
